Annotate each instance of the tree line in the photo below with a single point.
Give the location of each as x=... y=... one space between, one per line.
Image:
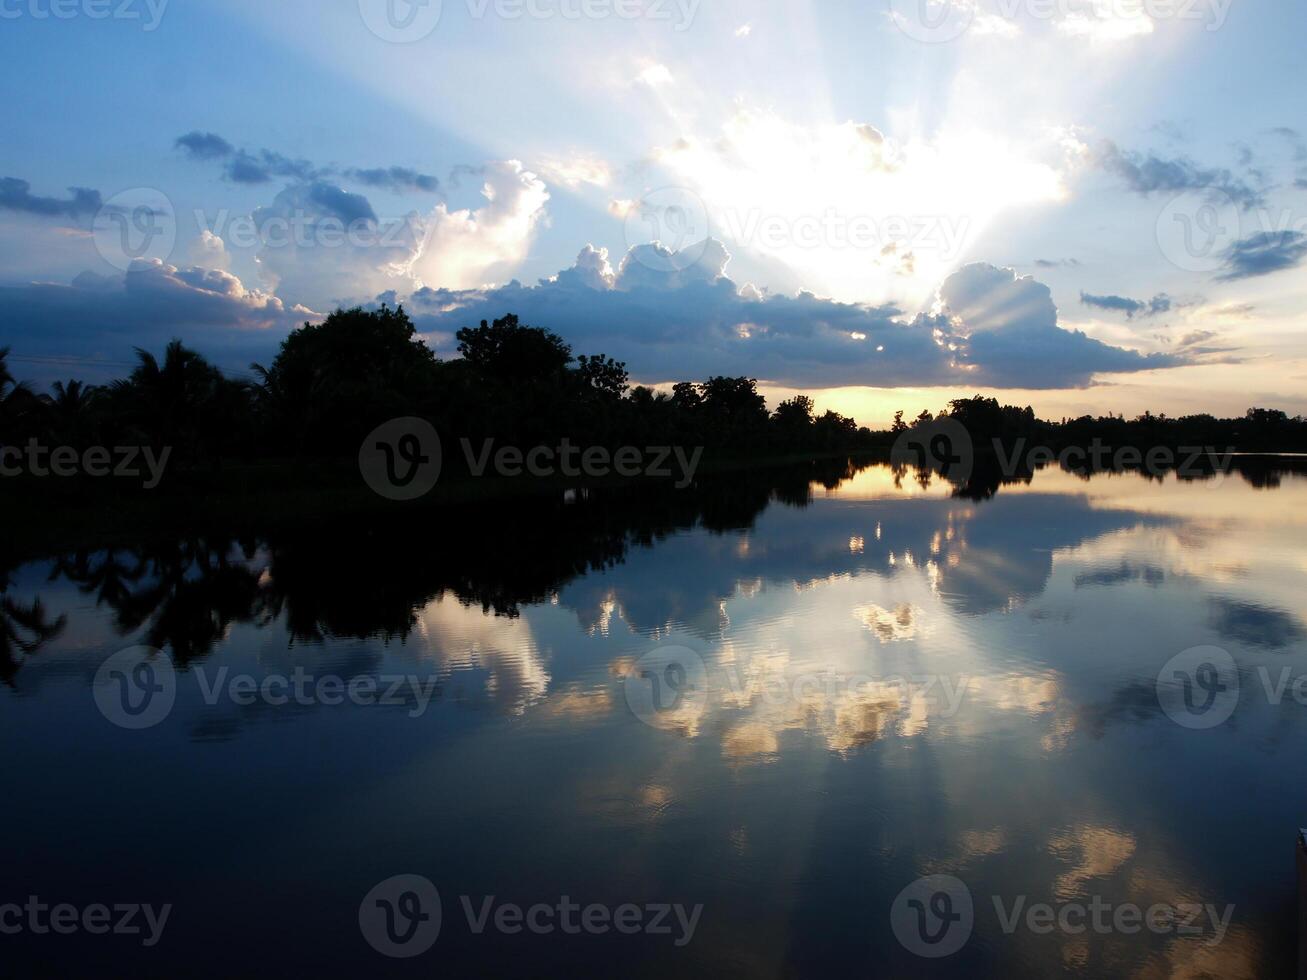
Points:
x=332 y=383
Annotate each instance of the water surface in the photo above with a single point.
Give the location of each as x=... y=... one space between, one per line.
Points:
x=866 y=678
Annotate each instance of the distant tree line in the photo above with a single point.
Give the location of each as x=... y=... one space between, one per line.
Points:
x=987 y=422
x=332 y=383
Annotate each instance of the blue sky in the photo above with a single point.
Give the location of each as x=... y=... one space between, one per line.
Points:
x=847 y=201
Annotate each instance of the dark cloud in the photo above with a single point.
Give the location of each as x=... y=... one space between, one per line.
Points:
x=670 y=318
x=1150 y=174
x=260 y=168
x=1196 y=337
x=1056 y=263
x=398 y=179
x=107 y=316
x=1264 y=253
x=204 y=146
x=264 y=166
x=16 y=195
x=338 y=203
x=1161 y=303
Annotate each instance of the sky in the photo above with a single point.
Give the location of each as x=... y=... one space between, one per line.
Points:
x=1087 y=206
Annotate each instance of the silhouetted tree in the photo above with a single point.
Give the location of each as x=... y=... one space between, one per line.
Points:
x=333 y=382
x=509 y=352
x=71 y=411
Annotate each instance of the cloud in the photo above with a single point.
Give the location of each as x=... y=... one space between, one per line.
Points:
x=578 y=169
x=398 y=179
x=209 y=251
x=1264 y=253
x=654 y=74
x=1196 y=337
x=338 y=203
x=1151 y=174
x=1106 y=22
x=263 y=166
x=325 y=246
x=1161 y=303
x=1056 y=263
x=470 y=247
x=16 y=195
x=1010 y=328
x=106 y=316
x=204 y=146
x=673 y=316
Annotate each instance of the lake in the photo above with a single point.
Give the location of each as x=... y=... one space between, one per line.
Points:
x=838 y=719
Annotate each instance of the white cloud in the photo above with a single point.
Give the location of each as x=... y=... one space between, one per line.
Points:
x=655 y=75
x=1107 y=21
x=323 y=246
x=578 y=169
x=470 y=247
x=209 y=252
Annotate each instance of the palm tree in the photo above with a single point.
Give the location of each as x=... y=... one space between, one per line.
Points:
x=16 y=400
x=71 y=409
x=177 y=402
x=24 y=629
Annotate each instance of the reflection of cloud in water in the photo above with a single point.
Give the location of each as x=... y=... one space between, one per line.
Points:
x=887 y=626
x=1093 y=852
x=1236 y=958
x=751 y=701
x=973 y=846
x=1120 y=574
x=464 y=638
x=980 y=558
x=574 y=704
x=1253 y=624
x=842 y=720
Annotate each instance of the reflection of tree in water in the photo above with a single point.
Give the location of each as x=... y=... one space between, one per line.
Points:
x=183 y=595
x=371 y=578
x=24 y=628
